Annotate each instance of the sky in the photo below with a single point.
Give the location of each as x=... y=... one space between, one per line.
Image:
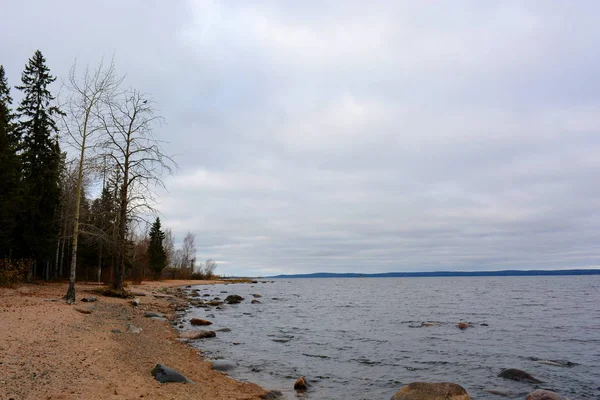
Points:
x=352 y=136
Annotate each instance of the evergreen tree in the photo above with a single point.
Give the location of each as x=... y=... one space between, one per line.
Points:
x=157 y=257
x=41 y=158
x=10 y=170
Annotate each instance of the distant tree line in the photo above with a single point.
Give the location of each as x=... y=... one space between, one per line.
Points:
x=83 y=213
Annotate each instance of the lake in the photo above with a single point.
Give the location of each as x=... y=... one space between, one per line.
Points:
x=362 y=338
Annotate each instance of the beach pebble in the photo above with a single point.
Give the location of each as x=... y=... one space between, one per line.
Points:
x=223 y=365
x=541 y=394
x=164 y=374
x=431 y=391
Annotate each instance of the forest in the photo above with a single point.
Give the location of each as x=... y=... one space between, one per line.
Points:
x=79 y=173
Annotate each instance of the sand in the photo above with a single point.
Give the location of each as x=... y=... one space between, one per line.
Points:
x=49 y=350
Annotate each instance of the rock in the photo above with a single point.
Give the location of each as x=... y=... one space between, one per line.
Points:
x=501 y=393
x=541 y=394
x=135 y=302
x=463 y=325
x=83 y=310
x=224 y=330
x=206 y=295
x=255 y=302
x=223 y=291
x=431 y=391
x=199 y=322
x=518 y=375
x=223 y=365
x=233 y=299
x=150 y=314
x=90 y=299
x=210 y=315
x=301 y=385
x=215 y=303
x=484 y=324
x=217 y=298
x=164 y=374
x=133 y=329
x=256 y=295
x=272 y=395
x=116 y=331
x=254 y=281
x=140 y=294
x=192 y=335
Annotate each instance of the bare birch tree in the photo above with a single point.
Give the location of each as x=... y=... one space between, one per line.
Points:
x=88 y=93
x=132 y=147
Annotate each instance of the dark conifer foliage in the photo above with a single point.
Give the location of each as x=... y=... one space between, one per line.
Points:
x=10 y=170
x=41 y=161
x=157 y=258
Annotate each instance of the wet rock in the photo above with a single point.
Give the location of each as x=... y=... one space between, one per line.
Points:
x=272 y=395
x=301 y=385
x=424 y=325
x=254 y=281
x=192 y=335
x=164 y=374
x=234 y=299
x=504 y=393
x=83 y=310
x=215 y=303
x=150 y=314
x=135 y=302
x=541 y=394
x=206 y=295
x=223 y=291
x=90 y=299
x=554 y=363
x=518 y=375
x=256 y=295
x=224 y=330
x=223 y=365
x=200 y=322
x=133 y=329
x=431 y=391
x=255 y=302
x=280 y=340
x=463 y=325
x=484 y=324
x=217 y=298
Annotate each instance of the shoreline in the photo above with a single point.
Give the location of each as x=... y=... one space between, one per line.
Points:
x=49 y=350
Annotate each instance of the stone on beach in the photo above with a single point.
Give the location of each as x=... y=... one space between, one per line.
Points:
x=541 y=394
x=234 y=299
x=135 y=302
x=518 y=375
x=83 y=310
x=90 y=299
x=150 y=314
x=191 y=335
x=301 y=385
x=199 y=322
x=133 y=329
x=164 y=374
x=431 y=391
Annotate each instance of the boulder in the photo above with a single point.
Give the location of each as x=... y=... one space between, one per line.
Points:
x=199 y=322
x=223 y=365
x=164 y=374
x=135 y=302
x=255 y=302
x=301 y=385
x=133 y=329
x=541 y=394
x=431 y=391
x=192 y=335
x=518 y=375
x=233 y=299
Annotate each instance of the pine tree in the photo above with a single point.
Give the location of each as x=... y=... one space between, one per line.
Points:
x=10 y=170
x=156 y=252
x=41 y=158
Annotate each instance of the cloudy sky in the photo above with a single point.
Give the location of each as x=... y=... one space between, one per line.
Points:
x=357 y=136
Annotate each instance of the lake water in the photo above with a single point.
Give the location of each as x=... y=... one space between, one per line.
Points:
x=357 y=338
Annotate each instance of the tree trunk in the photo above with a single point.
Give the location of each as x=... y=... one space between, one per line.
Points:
x=120 y=265
x=100 y=265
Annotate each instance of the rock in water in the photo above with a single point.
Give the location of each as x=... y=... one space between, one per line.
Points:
x=301 y=385
x=518 y=375
x=255 y=302
x=234 y=299
x=271 y=395
x=223 y=365
x=431 y=391
x=199 y=322
x=463 y=325
x=164 y=374
x=197 y=335
x=544 y=395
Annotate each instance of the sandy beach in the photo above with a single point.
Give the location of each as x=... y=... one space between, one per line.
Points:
x=49 y=350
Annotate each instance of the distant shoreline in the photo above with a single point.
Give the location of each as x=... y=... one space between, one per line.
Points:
x=442 y=274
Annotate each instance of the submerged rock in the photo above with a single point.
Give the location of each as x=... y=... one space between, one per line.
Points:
x=234 y=299
x=224 y=330
x=271 y=395
x=164 y=374
x=518 y=375
x=223 y=365
x=256 y=295
x=255 y=302
x=199 y=322
x=301 y=385
x=431 y=391
x=541 y=394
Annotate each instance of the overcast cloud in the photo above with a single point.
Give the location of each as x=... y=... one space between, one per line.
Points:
x=357 y=136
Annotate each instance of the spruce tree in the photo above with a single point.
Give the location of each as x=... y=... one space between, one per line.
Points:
x=41 y=158
x=10 y=170
x=157 y=257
